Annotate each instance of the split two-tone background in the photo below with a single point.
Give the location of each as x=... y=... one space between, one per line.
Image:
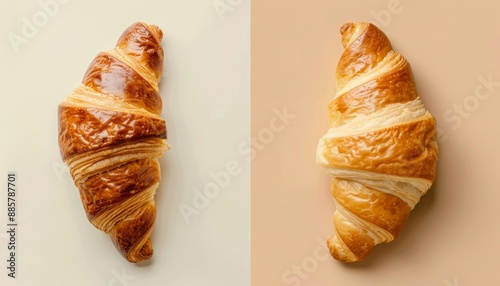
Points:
x=245 y=91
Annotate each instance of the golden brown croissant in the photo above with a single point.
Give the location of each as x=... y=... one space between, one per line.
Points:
x=381 y=147
x=111 y=136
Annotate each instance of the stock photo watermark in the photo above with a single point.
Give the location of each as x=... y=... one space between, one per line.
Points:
x=62 y=173
x=278 y=122
x=11 y=233
x=456 y=115
x=383 y=17
x=495 y=45
x=120 y=278
x=31 y=25
x=455 y=282
x=201 y=199
x=247 y=149
x=222 y=7
x=303 y=270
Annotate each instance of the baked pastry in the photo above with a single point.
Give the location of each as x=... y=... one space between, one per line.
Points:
x=111 y=136
x=380 y=148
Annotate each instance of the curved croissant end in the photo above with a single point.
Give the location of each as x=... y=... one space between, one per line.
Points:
x=111 y=136
x=381 y=147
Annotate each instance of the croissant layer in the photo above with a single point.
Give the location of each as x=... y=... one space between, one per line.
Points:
x=90 y=128
x=111 y=136
x=406 y=149
x=108 y=75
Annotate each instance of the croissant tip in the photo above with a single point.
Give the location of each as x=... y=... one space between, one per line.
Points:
x=345 y=27
x=153 y=29
x=157 y=31
x=339 y=252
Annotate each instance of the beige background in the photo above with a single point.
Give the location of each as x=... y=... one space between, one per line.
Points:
x=452 y=237
x=206 y=94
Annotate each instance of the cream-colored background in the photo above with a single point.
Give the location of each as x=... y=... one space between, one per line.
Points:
x=206 y=92
x=452 y=237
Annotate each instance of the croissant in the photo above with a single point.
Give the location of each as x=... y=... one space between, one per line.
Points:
x=111 y=136
x=380 y=148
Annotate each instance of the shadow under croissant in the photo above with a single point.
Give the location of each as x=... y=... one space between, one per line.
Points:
x=407 y=242
x=145 y=263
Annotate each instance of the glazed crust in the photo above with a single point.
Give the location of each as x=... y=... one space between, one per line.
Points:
x=381 y=148
x=408 y=150
x=366 y=46
x=83 y=129
x=397 y=86
x=142 y=43
x=104 y=190
x=107 y=74
x=111 y=136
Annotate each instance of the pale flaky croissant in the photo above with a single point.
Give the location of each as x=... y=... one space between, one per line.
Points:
x=111 y=136
x=380 y=149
